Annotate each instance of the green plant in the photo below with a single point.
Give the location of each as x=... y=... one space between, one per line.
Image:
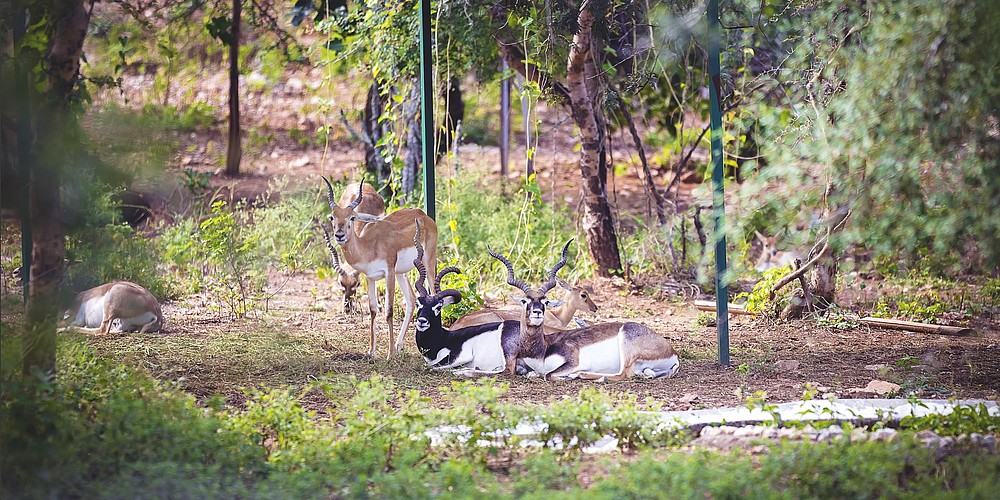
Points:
x=236 y=277
x=964 y=419
x=759 y=300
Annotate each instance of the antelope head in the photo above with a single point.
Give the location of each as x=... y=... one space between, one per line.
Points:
x=342 y=218
x=534 y=302
x=578 y=297
x=429 y=307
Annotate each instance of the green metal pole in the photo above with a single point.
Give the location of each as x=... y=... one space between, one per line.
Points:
x=427 y=106
x=718 y=196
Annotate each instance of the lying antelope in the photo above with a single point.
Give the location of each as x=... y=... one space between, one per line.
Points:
x=574 y=297
x=613 y=351
x=770 y=256
x=480 y=349
x=115 y=307
x=382 y=250
x=372 y=204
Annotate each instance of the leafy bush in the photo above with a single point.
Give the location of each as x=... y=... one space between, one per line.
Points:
x=235 y=276
x=103 y=430
x=473 y=214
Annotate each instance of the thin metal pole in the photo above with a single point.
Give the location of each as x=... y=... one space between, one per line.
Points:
x=504 y=122
x=718 y=195
x=427 y=106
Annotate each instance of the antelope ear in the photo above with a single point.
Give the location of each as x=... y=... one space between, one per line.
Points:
x=553 y=303
x=367 y=217
x=523 y=300
x=761 y=236
x=449 y=300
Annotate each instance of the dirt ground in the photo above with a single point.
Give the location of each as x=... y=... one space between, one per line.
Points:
x=303 y=336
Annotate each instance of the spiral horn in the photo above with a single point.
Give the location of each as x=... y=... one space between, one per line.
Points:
x=511 y=280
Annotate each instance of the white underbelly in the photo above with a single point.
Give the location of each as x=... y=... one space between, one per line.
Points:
x=375 y=269
x=137 y=322
x=545 y=365
x=404 y=260
x=487 y=355
x=603 y=357
x=91 y=313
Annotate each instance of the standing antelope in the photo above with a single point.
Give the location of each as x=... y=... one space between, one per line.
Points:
x=383 y=250
x=612 y=351
x=574 y=297
x=115 y=307
x=481 y=349
x=372 y=204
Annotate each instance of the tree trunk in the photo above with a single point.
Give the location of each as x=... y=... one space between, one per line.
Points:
x=414 y=151
x=54 y=146
x=583 y=87
x=235 y=152
x=455 y=113
x=823 y=275
x=375 y=130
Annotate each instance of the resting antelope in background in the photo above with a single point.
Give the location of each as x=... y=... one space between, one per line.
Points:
x=770 y=256
x=372 y=204
x=115 y=307
x=612 y=351
x=383 y=250
x=574 y=297
x=481 y=349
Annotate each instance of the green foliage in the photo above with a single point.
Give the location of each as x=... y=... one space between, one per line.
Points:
x=528 y=231
x=894 y=117
x=284 y=232
x=102 y=249
x=103 y=430
x=965 y=419
x=100 y=426
x=472 y=299
x=194 y=116
x=235 y=276
x=759 y=300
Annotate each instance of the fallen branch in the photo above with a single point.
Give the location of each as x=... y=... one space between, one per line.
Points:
x=709 y=305
x=913 y=326
x=892 y=324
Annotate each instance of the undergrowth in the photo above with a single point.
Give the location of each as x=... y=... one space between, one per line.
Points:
x=100 y=429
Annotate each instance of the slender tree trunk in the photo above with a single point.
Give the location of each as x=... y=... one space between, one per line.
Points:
x=414 y=151
x=597 y=219
x=53 y=147
x=235 y=152
x=375 y=130
x=455 y=107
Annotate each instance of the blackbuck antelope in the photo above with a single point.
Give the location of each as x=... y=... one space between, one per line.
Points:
x=115 y=307
x=613 y=351
x=481 y=349
x=574 y=297
x=372 y=204
x=770 y=256
x=383 y=250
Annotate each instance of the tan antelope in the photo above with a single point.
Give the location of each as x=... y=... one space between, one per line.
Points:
x=574 y=297
x=612 y=351
x=770 y=256
x=115 y=307
x=383 y=250
x=373 y=204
